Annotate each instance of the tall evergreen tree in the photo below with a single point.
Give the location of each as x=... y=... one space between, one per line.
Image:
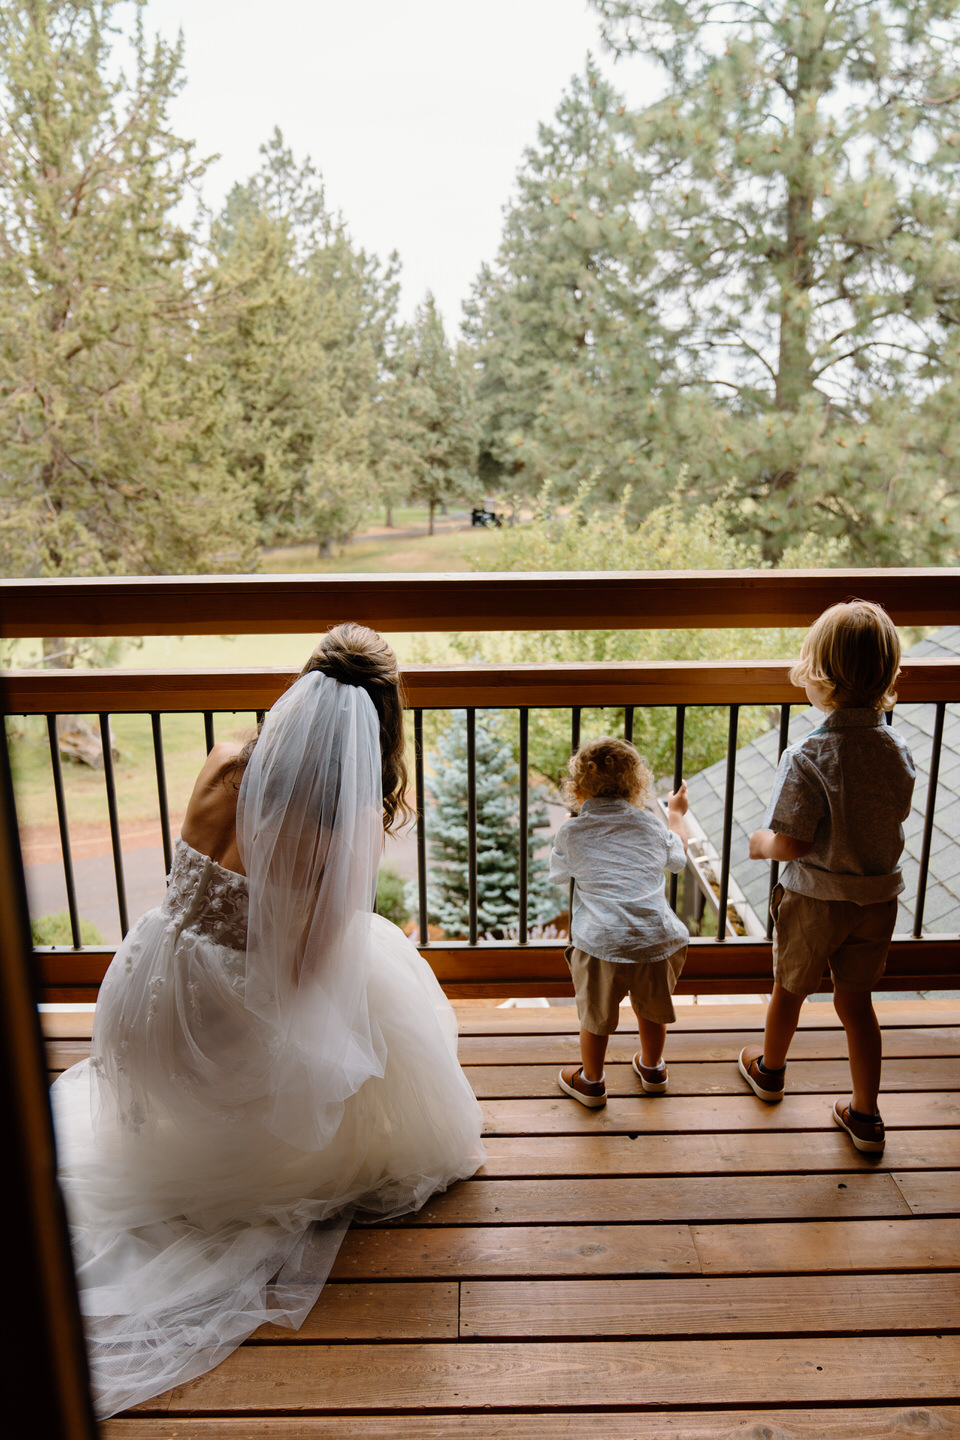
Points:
x=756 y=277
x=566 y=340
x=305 y=344
x=498 y=837
x=112 y=456
x=432 y=403
x=803 y=225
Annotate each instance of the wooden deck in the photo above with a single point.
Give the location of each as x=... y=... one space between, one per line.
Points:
x=668 y=1268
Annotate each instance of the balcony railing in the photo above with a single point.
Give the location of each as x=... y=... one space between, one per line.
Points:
x=524 y=966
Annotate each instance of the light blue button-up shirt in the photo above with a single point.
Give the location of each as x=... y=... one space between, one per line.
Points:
x=616 y=856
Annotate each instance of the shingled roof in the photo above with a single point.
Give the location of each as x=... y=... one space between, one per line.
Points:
x=755 y=770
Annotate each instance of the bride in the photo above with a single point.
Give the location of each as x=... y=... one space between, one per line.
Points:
x=267 y=1052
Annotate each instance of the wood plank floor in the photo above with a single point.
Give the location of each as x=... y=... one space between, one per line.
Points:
x=671 y=1267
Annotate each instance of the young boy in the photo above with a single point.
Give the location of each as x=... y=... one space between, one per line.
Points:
x=835 y=821
x=626 y=939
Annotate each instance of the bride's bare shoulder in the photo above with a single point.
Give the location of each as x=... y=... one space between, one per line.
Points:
x=209 y=824
x=215 y=794
x=219 y=765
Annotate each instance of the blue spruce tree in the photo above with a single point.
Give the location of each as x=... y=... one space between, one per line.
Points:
x=498 y=837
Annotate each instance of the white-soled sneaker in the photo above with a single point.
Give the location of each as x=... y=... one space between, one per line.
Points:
x=592 y=1093
x=653 y=1078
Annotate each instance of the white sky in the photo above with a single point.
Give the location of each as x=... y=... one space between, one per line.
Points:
x=416 y=112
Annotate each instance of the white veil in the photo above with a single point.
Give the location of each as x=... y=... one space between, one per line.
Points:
x=310 y=829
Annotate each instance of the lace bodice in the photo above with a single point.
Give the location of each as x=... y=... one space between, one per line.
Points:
x=204 y=897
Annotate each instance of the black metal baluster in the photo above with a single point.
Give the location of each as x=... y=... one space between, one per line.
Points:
x=524 y=818
x=677 y=779
x=472 y=825
x=628 y=723
x=421 y=824
x=111 y=789
x=208 y=734
x=162 y=791
x=727 y=822
x=928 y=816
x=782 y=743
x=574 y=747
x=65 y=850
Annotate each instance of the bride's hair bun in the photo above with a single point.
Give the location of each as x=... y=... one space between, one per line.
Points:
x=356 y=655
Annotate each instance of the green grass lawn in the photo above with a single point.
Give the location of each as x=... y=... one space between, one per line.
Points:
x=184 y=751
x=451 y=551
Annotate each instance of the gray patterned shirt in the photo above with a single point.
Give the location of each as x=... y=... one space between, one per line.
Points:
x=845 y=788
x=616 y=855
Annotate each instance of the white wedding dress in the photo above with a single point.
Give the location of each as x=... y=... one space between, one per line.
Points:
x=267 y=1054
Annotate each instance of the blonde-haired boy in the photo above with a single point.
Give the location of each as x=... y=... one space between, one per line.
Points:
x=835 y=820
x=626 y=939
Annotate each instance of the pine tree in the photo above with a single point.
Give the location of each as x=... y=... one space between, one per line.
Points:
x=756 y=277
x=803 y=229
x=498 y=836
x=304 y=342
x=436 y=436
x=565 y=337
x=112 y=453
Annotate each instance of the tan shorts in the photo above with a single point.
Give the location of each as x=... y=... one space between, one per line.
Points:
x=602 y=984
x=810 y=934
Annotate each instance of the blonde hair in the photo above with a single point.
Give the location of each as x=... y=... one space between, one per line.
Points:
x=852 y=653
x=609 y=769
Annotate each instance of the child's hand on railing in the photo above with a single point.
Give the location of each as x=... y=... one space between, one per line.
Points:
x=677 y=802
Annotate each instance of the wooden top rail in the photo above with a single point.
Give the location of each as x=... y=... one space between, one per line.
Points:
x=291 y=604
x=764 y=682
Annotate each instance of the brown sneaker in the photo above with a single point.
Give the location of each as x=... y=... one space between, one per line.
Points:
x=592 y=1093
x=866 y=1133
x=768 y=1084
x=653 y=1078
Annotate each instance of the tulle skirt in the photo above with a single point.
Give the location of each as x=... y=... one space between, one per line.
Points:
x=192 y=1223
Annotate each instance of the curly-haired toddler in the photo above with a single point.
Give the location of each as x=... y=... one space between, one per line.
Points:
x=626 y=939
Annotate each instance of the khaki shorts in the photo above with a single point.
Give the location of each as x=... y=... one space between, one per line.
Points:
x=810 y=934
x=602 y=984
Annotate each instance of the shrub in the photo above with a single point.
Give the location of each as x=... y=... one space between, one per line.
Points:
x=391 y=902
x=55 y=930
